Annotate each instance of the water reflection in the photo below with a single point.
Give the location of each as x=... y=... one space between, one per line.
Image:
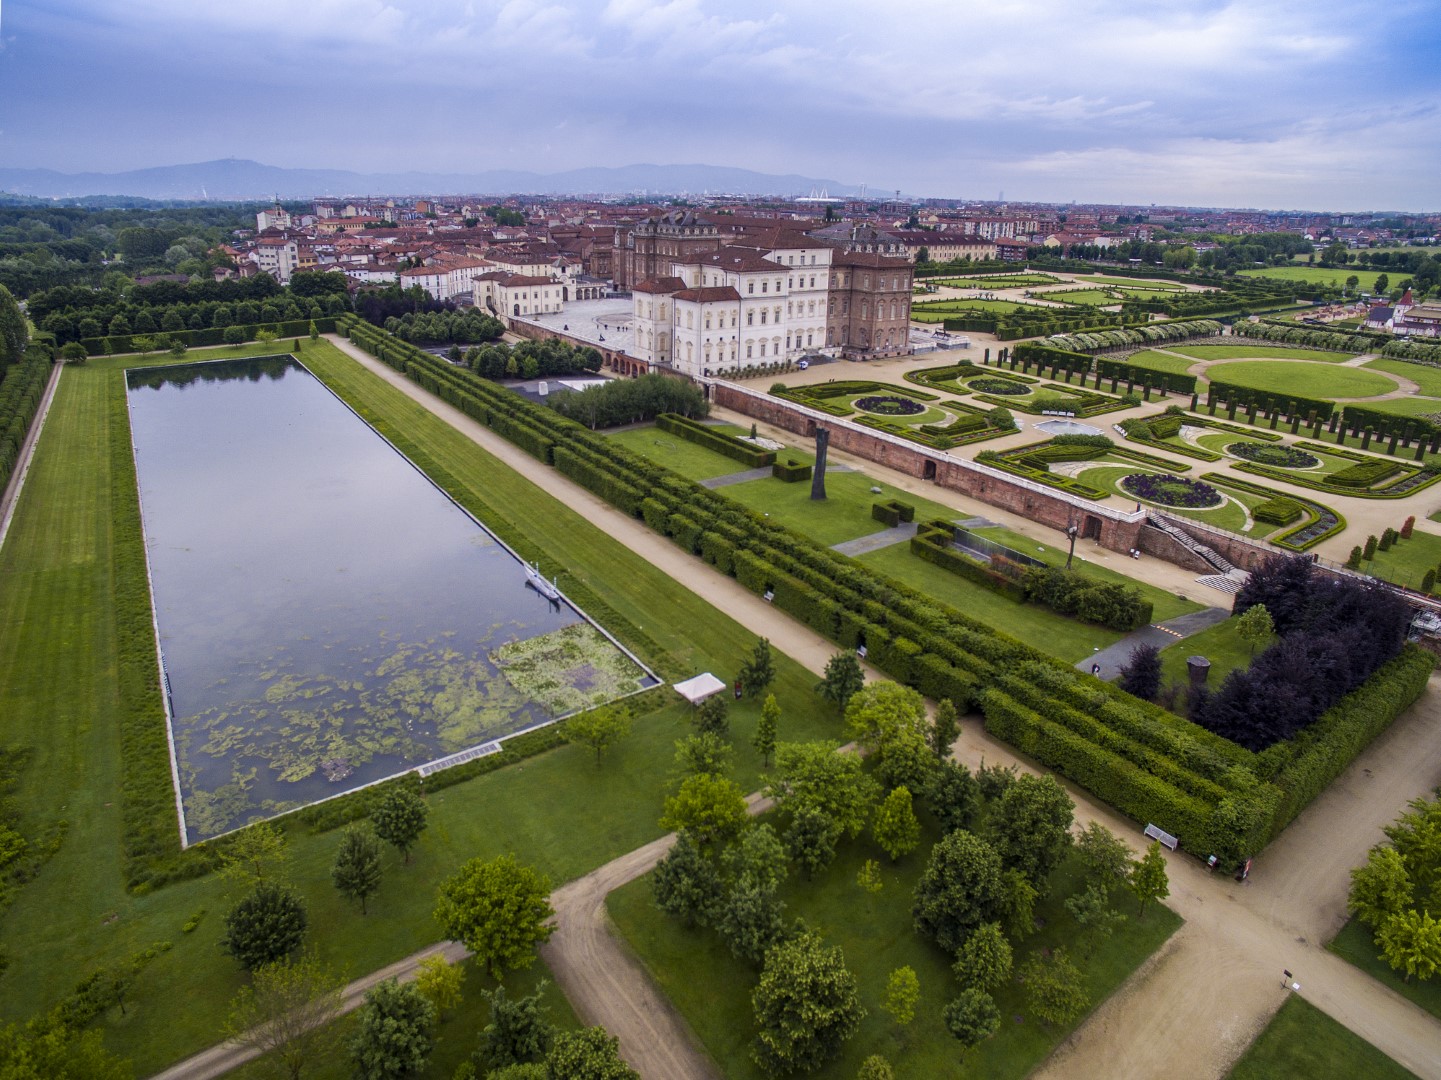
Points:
x=327 y=616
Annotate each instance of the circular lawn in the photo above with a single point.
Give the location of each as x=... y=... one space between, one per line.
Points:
x=1304 y=378
x=1163 y=489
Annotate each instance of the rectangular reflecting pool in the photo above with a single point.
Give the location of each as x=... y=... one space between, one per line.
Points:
x=327 y=616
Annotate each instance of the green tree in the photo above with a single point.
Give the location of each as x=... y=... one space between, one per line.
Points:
x=710 y=717
x=1369 y=551
x=73 y=353
x=45 y=1050
x=1148 y=877
x=1383 y=282
x=1030 y=827
x=265 y=927
x=177 y=348
x=497 y=910
x=954 y=796
x=1055 y=989
x=945 y=728
x=814 y=774
x=356 y=873
x=255 y=854
x=842 y=679
x=599 y=729
x=759 y=671
x=439 y=982
x=1410 y=941
x=806 y=1006
x=1016 y=906
x=265 y=337
x=288 y=1012
x=1255 y=627
x=972 y=1017
x=750 y=919
x=903 y=993
x=765 y=736
x=314 y=332
x=711 y=808
x=144 y=344
x=895 y=828
x=868 y=877
x=399 y=818
x=234 y=335
x=1091 y=908
x=1105 y=856
x=686 y=884
x=392 y=1037
x=984 y=960
x=1380 y=888
x=706 y=752
x=519 y=1031
x=883 y=713
x=1141 y=674
x=759 y=855
x=811 y=839
x=14 y=330
x=1353 y=561
x=876 y=1067
x=959 y=890
x=588 y=1054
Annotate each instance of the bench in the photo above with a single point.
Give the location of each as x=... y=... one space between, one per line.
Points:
x=1155 y=832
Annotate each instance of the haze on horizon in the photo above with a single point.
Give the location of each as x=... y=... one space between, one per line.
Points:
x=1275 y=103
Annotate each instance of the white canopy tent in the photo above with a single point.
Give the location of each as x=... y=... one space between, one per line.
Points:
x=698 y=689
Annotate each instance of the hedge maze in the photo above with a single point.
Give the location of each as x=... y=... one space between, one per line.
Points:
x=1147 y=763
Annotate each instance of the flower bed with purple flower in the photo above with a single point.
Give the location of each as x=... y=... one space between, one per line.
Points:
x=1167 y=490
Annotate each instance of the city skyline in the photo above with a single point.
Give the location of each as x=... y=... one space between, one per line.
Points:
x=1275 y=105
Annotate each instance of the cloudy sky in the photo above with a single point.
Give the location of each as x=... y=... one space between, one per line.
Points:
x=1271 y=103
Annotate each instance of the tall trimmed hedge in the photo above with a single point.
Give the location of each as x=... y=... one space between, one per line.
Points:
x=20 y=392
x=194 y=339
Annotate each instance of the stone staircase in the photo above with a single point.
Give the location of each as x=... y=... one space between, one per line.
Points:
x=1228 y=578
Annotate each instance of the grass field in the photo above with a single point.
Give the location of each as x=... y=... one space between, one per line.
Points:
x=1407 y=560
x=1426 y=377
x=1089 y=297
x=712 y=989
x=997 y=281
x=1151 y=360
x=1302 y=377
x=1134 y=283
x=1302 y=1041
x=960 y=307
x=58 y=663
x=1355 y=945
x=1218 y=644
x=1260 y=352
x=1323 y=275
x=686 y=458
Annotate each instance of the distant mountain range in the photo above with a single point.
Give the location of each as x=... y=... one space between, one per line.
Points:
x=240 y=180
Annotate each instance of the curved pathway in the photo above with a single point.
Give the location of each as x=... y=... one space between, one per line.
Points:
x=1189 y=1011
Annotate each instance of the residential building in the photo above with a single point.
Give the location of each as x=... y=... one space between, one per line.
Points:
x=518 y=295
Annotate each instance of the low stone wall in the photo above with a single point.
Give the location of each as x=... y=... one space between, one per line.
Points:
x=1165 y=546
x=611 y=359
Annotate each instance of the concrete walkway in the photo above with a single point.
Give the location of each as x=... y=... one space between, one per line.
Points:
x=899 y=534
x=744 y=477
x=1114 y=657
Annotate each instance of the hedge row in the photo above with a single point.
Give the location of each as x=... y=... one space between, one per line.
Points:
x=1358 y=418
x=1321 y=520
x=1149 y=764
x=1173 y=381
x=1140 y=335
x=192 y=339
x=20 y=394
x=1356 y=484
x=893 y=512
x=932 y=544
x=1278 y=511
x=683 y=427
x=791 y=472
x=1291 y=334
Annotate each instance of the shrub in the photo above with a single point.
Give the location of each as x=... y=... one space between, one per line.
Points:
x=1407 y=526
x=1278 y=511
x=791 y=472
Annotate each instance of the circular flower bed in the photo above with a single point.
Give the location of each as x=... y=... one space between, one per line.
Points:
x=998 y=386
x=1167 y=490
x=886 y=405
x=1285 y=457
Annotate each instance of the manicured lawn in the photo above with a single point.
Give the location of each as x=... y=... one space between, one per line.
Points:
x=1000 y=281
x=844 y=514
x=1426 y=377
x=956 y=307
x=1157 y=361
x=58 y=663
x=686 y=458
x=1413 y=405
x=712 y=989
x=1301 y=1040
x=1355 y=945
x=1134 y=283
x=1261 y=351
x=1218 y=644
x=1301 y=377
x=1108 y=476
x=1407 y=560
x=1324 y=275
x=1089 y=297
